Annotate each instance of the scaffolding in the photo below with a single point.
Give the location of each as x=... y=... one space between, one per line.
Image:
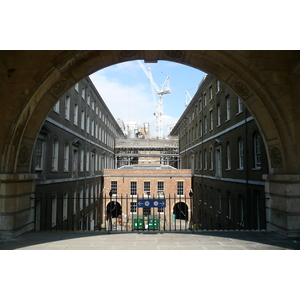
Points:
x=147 y=151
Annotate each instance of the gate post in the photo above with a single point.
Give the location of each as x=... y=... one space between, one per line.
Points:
x=283 y=203
x=16 y=205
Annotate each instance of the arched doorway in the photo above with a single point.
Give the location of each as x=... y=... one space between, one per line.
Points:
x=180 y=210
x=113 y=209
x=267 y=81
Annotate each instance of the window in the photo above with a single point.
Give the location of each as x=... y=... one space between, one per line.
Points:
x=89 y=100
x=200 y=128
x=218 y=115
x=179 y=188
x=218 y=162
x=88 y=124
x=227 y=108
x=218 y=86
x=210 y=93
x=55 y=154
x=81 y=159
x=205 y=125
x=219 y=200
x=241 y=154
x=211 y=120
x=114 y=187
x=87 y=196
x=82 y=119
x=257 y=150
x=66 y=157
x=92 y=163
x=241 y=204
x=67 y=107
x=240 y=105
x=77 y=87
x=200 y=160
x=93 y=128
x=56 y=107
x=146 y=211
x=39 y=155
x=200 y=104
x=160 y=189
x=92 y=194
x=205 y=159
x=83 y=93
x=133 y=188
x=53 y=210
x=147 y=188
x=228 y=156
x=65 y=206
x=96 y=162
x=229 y=205
x=87 y=167
x=81 y=200
x=76 y=114
x=74 y=202
x=133 y=207
x=211 y=165
x=96 y=131
x=204 y=99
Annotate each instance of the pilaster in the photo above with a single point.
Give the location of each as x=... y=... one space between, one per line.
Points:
x=283 y=203
x=16 y=205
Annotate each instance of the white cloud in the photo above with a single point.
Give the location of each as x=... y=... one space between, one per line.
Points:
x=132 y=102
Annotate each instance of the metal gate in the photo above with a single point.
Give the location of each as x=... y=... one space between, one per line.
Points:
x=125 y=213
x=130 y=214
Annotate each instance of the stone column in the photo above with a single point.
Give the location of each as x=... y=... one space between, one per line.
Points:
x=283 y=204
x=16 y=205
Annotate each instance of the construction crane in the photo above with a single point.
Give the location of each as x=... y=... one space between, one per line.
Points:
x=187 y=95
x=160 y=92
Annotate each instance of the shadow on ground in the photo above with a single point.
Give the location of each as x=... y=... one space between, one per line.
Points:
x=247 y=240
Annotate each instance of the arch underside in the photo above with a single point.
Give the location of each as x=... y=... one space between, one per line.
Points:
x=254 y=76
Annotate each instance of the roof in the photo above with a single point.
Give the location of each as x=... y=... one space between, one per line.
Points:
x=147 y=167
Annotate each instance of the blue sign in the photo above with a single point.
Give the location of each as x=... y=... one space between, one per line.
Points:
x=151 y=203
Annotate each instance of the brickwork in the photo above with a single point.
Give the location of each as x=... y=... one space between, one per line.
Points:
x=170 y=178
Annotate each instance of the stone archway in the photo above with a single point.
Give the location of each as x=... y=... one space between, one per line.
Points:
x=267 y=81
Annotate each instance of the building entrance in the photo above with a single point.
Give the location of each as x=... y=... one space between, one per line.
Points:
x=180 y=211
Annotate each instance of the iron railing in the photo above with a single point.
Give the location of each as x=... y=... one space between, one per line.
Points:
x=132 y=213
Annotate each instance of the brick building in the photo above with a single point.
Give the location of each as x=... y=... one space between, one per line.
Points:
x=76 y=143
x=220 y=142
x=124 y=187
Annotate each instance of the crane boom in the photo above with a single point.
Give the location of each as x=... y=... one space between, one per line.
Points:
x=159 y=106
x=187 y=95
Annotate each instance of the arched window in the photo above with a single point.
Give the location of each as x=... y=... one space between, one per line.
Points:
x=55 y=154
x=241 y=154
x=66 y=157
x=257 y=150
x=228 y=156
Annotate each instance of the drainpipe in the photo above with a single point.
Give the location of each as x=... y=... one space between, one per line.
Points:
x=85 y=156
x=247 y=165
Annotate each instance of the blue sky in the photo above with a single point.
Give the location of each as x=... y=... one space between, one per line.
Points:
x=127 y=91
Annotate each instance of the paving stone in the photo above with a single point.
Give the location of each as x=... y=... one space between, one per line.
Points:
x=150 y=241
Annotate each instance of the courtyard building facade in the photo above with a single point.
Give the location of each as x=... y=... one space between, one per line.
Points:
x=75 y=144
x=137 y=193
x=221 y=143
